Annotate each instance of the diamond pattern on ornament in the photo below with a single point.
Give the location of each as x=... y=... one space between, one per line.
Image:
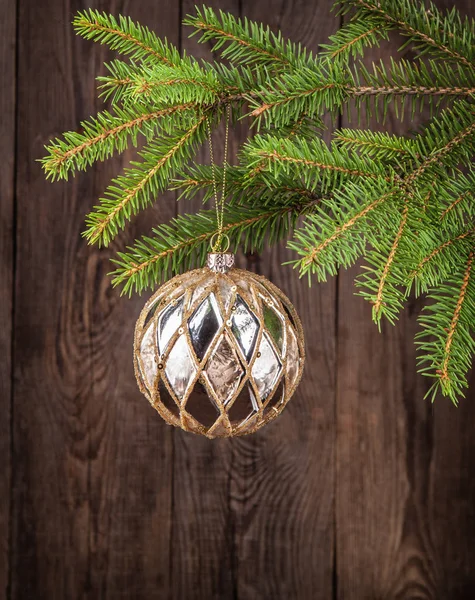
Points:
x=245 y=326
x=168 y=322
x=180 y=368
x=224 y=370
x=204 y=324
x=266 y=368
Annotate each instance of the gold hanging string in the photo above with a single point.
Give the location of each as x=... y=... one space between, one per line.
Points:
x=219 y=236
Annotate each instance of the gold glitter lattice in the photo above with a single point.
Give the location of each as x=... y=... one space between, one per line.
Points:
x=218 y=352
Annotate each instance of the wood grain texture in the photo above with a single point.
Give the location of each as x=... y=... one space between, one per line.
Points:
x=451 y=498
x=394 y=484
x=451 y=494
x=137 y=457
x=53 y=362
x=7 y=234
x=203 y=553
x=131 y=471
x=92 y=461
x=283 y=477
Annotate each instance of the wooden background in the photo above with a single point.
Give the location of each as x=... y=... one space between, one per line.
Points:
x=361 y=490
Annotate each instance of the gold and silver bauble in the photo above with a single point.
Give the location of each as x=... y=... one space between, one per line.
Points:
x=219 y=351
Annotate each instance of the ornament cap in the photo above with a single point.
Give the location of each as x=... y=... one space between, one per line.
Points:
x=220 y=262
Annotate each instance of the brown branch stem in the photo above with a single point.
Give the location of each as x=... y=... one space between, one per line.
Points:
x=439 y=249
x=378 y=303
x=443 y=372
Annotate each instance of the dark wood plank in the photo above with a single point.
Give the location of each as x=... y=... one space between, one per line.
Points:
x=7 y=198
x=451 y=498
x=404 y=517
x=451 y=494
x=203 y=527
x=132 y=476
x=382 y=423
x=283 y=476
x=52 y=349
x=93 y=461
x=256 y=496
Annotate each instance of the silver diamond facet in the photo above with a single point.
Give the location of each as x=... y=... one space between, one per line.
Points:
x=245 y=326
x=168 y=322
x=224 y=370
x=266 y=368
x=180 y=367
x=204 y=324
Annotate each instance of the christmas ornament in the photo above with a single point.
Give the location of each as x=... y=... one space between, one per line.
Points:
x=218 y=351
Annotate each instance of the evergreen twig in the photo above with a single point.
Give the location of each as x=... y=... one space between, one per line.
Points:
x=402 y=203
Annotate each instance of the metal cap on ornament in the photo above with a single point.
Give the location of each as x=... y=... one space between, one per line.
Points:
x=220 y=262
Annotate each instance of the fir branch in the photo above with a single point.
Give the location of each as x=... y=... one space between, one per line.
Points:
x=102 y=135
x=124 y=36
x=453 y=205
x=444 y=36
x=376 y=144
x=336 y=233
x=439 y=249
x=244 y=41
x=314 y=90
x=451 y=153
x=446 y=341
x=274 y=155
x=136 y=188
x=406 y=90
x=185 y=241
x=378 y=303
x=388 y=299
x=353 y=38
x=330 y=86
x=121 y=77
x=318 y=249
x=316 y=163
x=312 y=254
x=349 y=91
x=280 y=157
x=164 y=85
x=444 y=372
